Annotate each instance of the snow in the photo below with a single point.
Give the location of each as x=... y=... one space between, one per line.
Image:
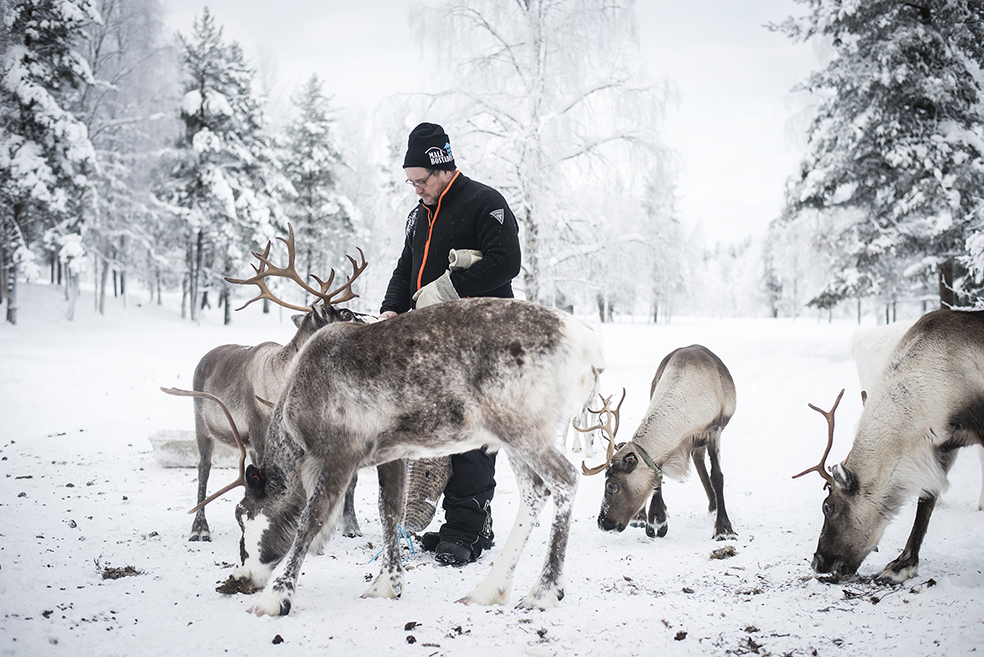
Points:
x=82 y=492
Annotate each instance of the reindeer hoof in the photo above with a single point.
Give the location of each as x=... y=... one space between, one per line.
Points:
x=271 y=603
x=898 y=571
x=542 y=599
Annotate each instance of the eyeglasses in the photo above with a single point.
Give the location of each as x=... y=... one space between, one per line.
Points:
x=420 y=184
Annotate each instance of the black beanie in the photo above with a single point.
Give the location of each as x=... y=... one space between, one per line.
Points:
x=429 y=147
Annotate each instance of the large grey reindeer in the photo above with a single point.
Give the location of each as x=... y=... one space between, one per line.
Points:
x=692 y=399
x=928 y=404
x=250 y=379
x=445 y=379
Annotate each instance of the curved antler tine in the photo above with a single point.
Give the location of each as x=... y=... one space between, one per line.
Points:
x=617 y=409
x=609 y=430
x=268 y=269
x=241 y=481
x=821 y=467
x=346 y=290
x=587 y=472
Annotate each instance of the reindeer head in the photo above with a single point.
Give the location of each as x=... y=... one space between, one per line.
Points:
x=627 y=486
x=267 y=515
x=853 y=521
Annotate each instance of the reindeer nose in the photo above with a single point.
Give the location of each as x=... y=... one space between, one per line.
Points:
x=607 y=525
x=820 y=564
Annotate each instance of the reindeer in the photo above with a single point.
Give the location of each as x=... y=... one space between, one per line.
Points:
x=929 y=403
x=444 y=379
x=871 y=349
x=692 y=399
x=250 y=379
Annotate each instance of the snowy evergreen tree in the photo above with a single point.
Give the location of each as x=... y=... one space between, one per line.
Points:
x=134 y=75
x=549 y=104
x=324 y=221
x=224 y=180
x=44 y=149
x=897 y=144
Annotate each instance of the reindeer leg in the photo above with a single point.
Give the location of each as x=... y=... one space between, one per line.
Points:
x=722 y=525
x=494 y=589
x=320 y=514
x=350 y=521
x=561 y=478
x=906 y=565
x=199 y=526
x=698 y=457
x=392 y=503
x=656 y=522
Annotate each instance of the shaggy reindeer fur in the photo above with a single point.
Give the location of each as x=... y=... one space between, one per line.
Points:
x=929 y=403
x=441 y=380
x=241 y=377
x=871 y=349
x=692 y=399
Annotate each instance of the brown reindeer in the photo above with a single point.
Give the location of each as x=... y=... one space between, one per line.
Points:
x=692 y=399
x=251 y=379
x=928 y=404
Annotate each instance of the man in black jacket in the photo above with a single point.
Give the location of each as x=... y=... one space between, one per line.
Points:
x=458 y=218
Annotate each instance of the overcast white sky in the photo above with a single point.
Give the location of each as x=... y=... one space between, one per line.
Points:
x=735 y=126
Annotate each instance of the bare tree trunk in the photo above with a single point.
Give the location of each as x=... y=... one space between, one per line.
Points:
x=103 y=276
x=11 y=238
x=947 y=297
x=531 y=275
x=3 y=262
x=226 y=306
x=195 y=275
x=12 y=292
x=72 y=292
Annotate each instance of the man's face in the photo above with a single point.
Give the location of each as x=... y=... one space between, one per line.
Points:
x=428 y=183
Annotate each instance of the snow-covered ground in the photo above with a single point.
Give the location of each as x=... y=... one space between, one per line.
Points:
x=81 y=492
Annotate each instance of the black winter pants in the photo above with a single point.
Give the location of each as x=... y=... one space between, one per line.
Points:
x=468 y=500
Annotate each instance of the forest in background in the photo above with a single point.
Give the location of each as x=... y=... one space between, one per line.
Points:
x=135 y=161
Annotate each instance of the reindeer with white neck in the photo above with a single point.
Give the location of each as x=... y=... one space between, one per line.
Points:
x=692 y=399
x=445 y=379
x=928 y=404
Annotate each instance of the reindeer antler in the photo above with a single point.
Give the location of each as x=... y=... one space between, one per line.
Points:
x=241 y=481
x=607 y=428
x=821 y=467
x=267 y=269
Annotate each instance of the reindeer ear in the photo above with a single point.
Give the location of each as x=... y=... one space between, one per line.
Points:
x=298 y=320
x=255 y=481
x=626 y=463
x=844 y=479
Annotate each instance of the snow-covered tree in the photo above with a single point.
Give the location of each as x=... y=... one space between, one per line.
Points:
x=324 y=220
x=550 y=104
x=134 y=76
x=898 y=138
x=224 y=180
x=44 y=149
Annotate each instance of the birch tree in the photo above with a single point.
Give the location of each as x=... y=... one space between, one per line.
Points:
x=550 y=104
